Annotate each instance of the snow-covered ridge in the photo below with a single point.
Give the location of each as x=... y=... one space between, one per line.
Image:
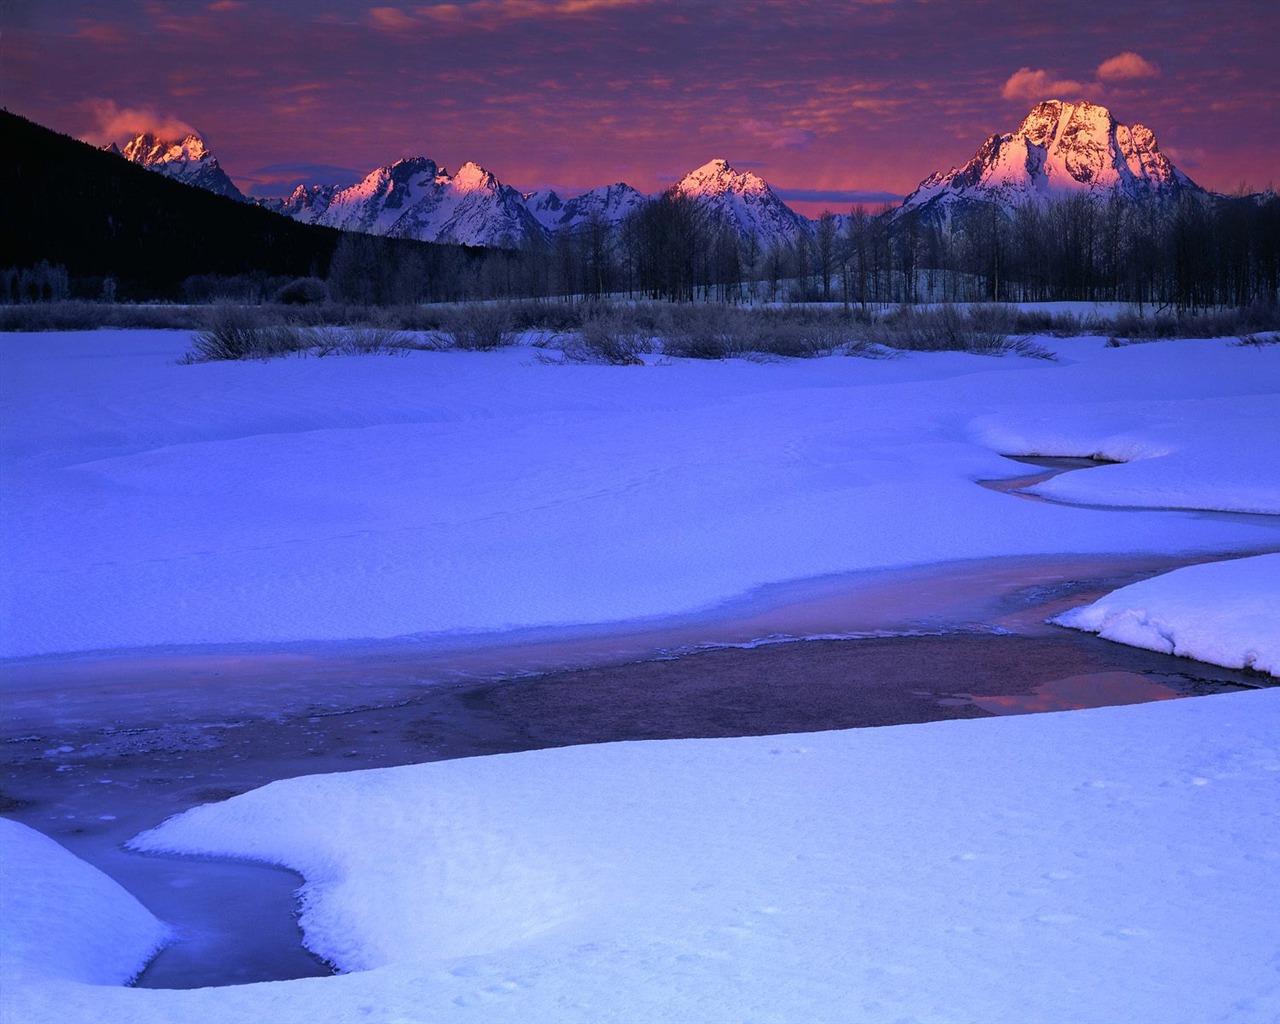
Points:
x=1060 y=149
x=608 y=204
x=415 y=197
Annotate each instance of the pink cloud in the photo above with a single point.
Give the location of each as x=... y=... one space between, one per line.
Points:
x=116 y=123
x=1125 y=66
x=780 y=136
x=99 y=32
x=392 y=19
x=1026 y=84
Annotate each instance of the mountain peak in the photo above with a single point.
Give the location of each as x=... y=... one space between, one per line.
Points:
x=147 y=149
x=743 y=202
x=187 y=160
x=1060 y=148
x=716 y=177
x=471 y=177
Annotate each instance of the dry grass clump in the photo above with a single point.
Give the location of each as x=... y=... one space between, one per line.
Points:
x=247 y=332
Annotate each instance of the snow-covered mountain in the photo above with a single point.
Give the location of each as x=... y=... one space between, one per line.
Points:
x=744 y=202
x=417 y=198
x=305 y=203
x=186 y=160
x=1059 y=149
x=608 y=203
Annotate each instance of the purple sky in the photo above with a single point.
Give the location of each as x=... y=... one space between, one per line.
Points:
x=831 y=102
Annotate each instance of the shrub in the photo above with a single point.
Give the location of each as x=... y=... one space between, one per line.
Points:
x=950 y=328
x=607 y=335
x=700 y=332
x=478 y=327
x=302 y=291
x=243 y=332
x=352 y=341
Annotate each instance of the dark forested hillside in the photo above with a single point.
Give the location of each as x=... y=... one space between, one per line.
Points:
x=67 y=203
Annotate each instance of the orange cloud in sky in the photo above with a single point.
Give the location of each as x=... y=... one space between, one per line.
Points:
x=1026 y=84
x=1127 y=65
x=1037 y=84
x=116 y=123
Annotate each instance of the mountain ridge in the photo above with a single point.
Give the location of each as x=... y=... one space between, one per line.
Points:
x=1059 y=149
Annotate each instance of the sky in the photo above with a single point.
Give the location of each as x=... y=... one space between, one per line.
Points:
x=833 y=103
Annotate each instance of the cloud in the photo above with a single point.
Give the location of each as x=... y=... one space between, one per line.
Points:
x=838 y=196
x=1039 y=84
x=1125 y=66
x=280 y=179
x=780 y=137
x=1026 y=84
x=116 y=124
x=99 y=32
x=487 y=15
x=392 y=20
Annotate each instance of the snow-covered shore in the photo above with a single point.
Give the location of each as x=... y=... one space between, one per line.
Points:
x=1110 y=864
x=1088 y=866
x=150 y=503
x=1225 y=613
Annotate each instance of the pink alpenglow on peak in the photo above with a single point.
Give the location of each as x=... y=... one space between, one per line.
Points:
x=716 y=177
x=417 y=198
x=471 y=177
x=743 y=202
x=187 y=160
x=1059 y=149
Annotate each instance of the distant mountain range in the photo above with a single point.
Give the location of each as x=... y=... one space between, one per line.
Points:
x=1059 y=149
x=100 y=216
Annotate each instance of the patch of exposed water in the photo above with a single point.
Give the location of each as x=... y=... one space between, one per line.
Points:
x=99 y=748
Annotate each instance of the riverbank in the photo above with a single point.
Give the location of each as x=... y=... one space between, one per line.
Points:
x=98 y=749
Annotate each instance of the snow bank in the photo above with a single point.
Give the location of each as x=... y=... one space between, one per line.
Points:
x=61 y=919
x=330 y=499
x=1092 y=866
x=1225 y=613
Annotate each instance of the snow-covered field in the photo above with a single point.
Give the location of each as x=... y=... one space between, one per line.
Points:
x=149 y=503
x=1116 y=864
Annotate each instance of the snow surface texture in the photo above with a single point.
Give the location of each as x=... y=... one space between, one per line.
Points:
x=150 y=503
x=62 y=920
x=1225 y=613
x=1110 y=865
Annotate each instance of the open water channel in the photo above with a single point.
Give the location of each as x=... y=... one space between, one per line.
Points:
x=99 y=748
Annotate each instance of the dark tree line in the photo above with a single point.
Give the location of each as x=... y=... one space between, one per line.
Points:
x=1188 y=254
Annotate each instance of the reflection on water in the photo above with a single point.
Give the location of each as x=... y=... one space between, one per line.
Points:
x=1094 y=690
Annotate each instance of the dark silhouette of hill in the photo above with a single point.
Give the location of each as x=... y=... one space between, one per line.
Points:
x=66 y=202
